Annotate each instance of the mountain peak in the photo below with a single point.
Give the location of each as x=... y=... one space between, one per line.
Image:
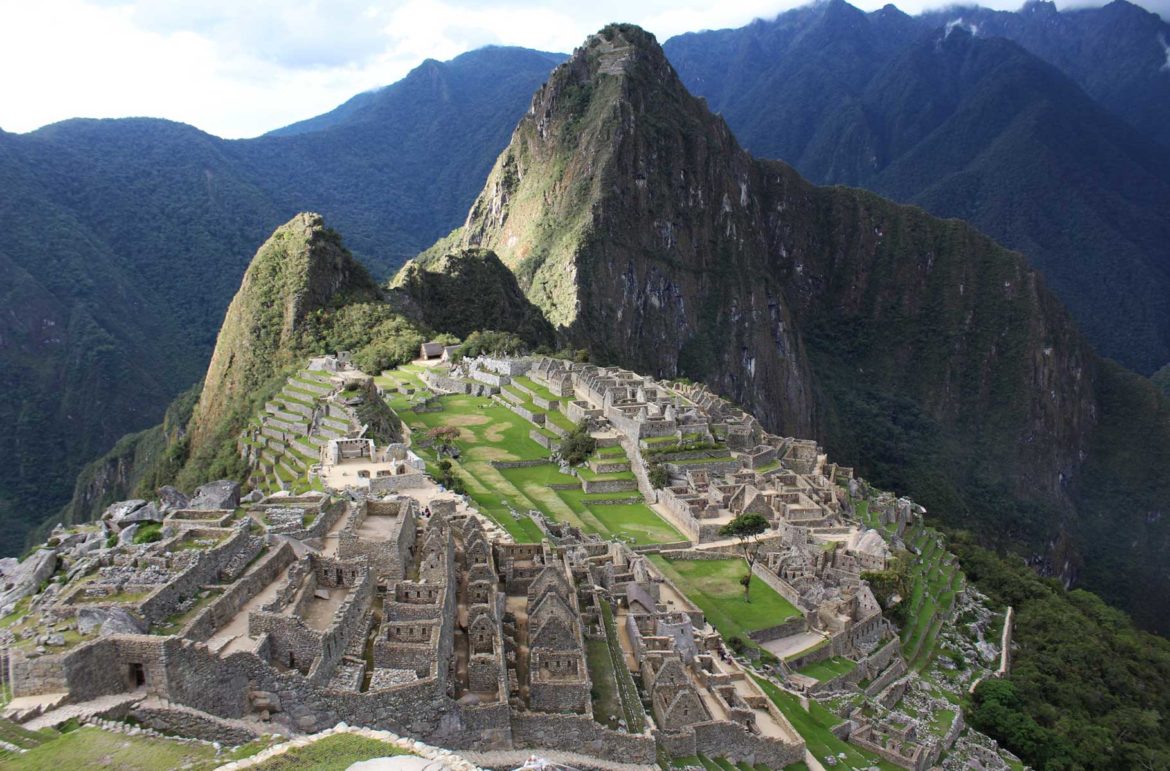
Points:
x=302 y=268
x=621 y=50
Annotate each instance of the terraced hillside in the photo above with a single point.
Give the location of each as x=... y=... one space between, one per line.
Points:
x=935 y=581
x=284 y=441
x=504 y=459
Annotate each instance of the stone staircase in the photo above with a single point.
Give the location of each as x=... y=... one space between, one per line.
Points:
x=24 y=708
x=84 y=710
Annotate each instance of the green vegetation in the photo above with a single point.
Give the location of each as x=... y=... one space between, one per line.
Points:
x=607 y=704
x=658 y=475
x=577 y=445
x=333 y=753
x=627 y=691
x=461 y=290
x=814 y=726
x=1086 y=689
x=148 y=532
x=714 y=585
x=88 y=747
x=486 y=432
x=933 y=580
x=747 y=529
x=829 y=668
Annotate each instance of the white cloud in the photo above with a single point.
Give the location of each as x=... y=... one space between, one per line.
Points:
x=241 y=67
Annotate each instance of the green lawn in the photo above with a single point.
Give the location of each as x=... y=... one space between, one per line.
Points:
x=536 y=388
x=585 y=473
x=829 y=668
x=482 y=424
x=490 y=432
x=627 y=520
x=607 y=705
x=814 y=726
x=714 y=586
x=333 y=753
x=89 y=747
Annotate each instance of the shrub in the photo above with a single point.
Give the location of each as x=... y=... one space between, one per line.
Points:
x=577 y=445
x=658 y=475
x=148 y=533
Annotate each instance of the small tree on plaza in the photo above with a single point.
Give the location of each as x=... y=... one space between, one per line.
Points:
x=747 y=528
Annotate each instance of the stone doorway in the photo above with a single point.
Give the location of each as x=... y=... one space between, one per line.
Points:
x=136 y=676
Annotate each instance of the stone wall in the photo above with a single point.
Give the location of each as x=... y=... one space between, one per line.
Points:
x=781 y=587
x=349 y=622
x=716 y=468
x=165 y=600
x=44 y=674
x=542 y=439
x=608 y=485
x=186 y=722
x=387 y=557
x=892 y=673
x=223 y=609
x=392 y=484
x=794 y=625
x=440 y=382
x=732 y=741
x=577 y=733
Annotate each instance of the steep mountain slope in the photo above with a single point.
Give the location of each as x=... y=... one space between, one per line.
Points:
x=124 y=240
x=303 y=294
x=469 y=290
x=916 y=347
x=966 y=127
x=83 y=351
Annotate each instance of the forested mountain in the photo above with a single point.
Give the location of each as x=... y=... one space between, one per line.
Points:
x=913 y=347
x=125 y=239
x=1118 y=53
x=975 y=127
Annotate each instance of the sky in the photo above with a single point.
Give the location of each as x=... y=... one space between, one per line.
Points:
x=239 y=68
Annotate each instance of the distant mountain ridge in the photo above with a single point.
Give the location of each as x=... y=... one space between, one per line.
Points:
x=977 y=127
x=124 y=239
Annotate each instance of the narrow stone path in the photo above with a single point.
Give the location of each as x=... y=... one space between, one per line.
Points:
x=83 y=710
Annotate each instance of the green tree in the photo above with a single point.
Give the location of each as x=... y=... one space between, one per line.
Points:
x=577 y=445
x=747 y=528
x=658 y=475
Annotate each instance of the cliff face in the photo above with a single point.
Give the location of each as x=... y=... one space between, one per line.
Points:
x=914 y=348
